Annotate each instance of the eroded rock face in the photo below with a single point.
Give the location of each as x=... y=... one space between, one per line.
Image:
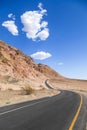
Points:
x=14 y=63
x=47 y=71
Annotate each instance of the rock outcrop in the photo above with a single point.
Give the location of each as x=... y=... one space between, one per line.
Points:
x=15 y=64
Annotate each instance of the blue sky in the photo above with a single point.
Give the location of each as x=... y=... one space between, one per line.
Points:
x=53 y=32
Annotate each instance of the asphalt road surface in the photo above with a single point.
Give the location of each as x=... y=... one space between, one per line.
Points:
x=51 y=113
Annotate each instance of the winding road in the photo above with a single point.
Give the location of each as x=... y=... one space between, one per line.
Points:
x=51 y=113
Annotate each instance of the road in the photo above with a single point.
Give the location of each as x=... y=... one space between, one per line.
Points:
x=48 y=86
x=51 y=113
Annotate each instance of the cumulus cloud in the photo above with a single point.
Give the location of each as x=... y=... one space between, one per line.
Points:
x=11 y=16
x=41 y=55
x=10 y=25
x=33 y=24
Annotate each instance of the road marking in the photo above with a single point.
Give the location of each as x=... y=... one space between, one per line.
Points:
x=76 y=115
x=3 y=113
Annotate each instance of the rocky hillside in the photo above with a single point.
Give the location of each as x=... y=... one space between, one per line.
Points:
x=47 y=71
x=16 y=65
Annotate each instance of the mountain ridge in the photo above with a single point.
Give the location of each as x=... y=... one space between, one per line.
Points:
x=14 y=63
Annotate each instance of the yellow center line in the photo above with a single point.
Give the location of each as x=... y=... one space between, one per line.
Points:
x=76 y=115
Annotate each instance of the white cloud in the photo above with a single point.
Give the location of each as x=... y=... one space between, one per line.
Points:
x=11 y=16
x=43 y=34
x=10 y=25
x=41 y=55
x=60 y=63
x=40 y=6
x=33 y=23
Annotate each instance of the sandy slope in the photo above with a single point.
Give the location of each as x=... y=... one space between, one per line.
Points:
x=10 y=97
x=69 y=84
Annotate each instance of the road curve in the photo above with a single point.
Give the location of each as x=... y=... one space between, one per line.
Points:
x=52 y=113
x=47 y=85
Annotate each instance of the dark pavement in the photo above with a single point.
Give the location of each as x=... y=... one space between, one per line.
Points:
x=51 y=113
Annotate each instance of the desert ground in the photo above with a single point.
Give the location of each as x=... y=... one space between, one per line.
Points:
x=79 y=86
x=10 y=96
x=69 y=84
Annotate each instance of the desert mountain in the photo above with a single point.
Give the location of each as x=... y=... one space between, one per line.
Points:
x=47 y=71
x=15 y=65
